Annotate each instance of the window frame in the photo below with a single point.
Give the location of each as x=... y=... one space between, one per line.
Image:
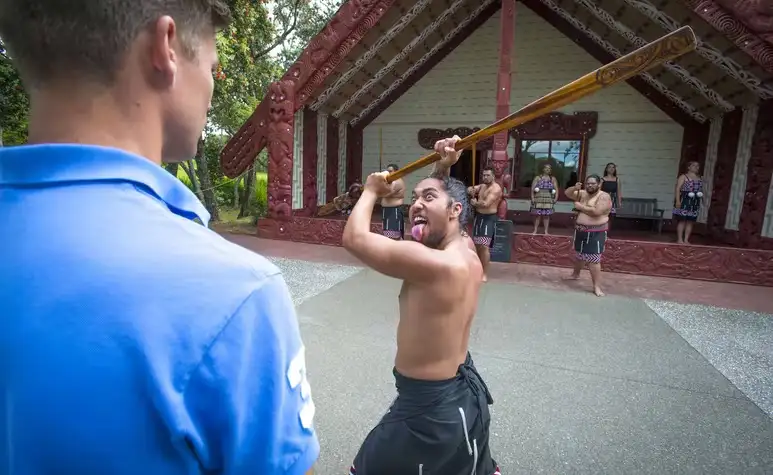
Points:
x=556 y=126
x=519 y=191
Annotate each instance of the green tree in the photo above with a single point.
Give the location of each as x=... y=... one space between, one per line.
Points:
x=311 y=18
x=14 y=103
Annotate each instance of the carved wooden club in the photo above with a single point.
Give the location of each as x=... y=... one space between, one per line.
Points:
x=665 y=49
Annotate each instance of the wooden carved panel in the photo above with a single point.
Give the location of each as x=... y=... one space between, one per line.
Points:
x=723 y=174
x=428 y=137
x=758 y=180
x=331 y=185
x=735 y=19
x=558 y=126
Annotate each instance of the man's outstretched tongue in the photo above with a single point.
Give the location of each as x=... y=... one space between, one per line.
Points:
x=417 y=232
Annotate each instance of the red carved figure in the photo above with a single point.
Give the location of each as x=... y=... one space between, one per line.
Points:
x=280 y=149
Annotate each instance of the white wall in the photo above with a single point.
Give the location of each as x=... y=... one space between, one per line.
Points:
x=461 y=91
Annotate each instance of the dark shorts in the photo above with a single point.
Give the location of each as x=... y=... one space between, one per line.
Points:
x=393 y=222
x=589 y=242
x=433 y=427
x=484 y=228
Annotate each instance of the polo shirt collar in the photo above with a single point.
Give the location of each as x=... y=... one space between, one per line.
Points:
x=53 y=164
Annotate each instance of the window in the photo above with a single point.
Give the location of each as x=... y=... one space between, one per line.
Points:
x=555 y=138
x=562 y=155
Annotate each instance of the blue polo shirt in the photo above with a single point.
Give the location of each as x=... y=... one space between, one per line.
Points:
x=134 y=340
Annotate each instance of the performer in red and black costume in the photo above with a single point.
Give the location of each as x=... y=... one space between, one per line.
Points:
x=590 y=233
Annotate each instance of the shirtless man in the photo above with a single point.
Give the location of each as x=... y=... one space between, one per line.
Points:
x=439 y=422
x=590 y=234
x=392 y=218
x=485 y=200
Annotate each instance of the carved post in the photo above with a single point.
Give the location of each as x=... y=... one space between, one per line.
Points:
x=280 y=149
x=499 y=159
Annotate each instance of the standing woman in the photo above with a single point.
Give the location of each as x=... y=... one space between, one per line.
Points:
x=544 y=194
x=610 y=183
x=688 y=198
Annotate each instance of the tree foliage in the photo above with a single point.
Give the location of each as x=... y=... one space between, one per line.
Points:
x=263 y=40
x=14 y=102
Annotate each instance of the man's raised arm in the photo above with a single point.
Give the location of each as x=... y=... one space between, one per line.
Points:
x=406 y=260
x=601 y=208
x=448 y=155
x=574 y=192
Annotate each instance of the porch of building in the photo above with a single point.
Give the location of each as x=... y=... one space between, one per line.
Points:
x=631 y=248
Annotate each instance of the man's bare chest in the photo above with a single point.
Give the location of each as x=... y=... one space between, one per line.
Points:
x=485 y=191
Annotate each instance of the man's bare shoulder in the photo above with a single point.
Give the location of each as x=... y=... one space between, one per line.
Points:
x=462 y=259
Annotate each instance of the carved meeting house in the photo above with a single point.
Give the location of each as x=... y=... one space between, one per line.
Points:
x=384 y=79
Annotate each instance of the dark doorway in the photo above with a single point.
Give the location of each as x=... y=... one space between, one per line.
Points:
x=462 y=170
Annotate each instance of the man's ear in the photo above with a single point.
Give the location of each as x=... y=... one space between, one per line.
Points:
x=456 y=210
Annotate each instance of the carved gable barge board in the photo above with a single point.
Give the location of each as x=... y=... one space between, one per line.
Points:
x=409 y=81
x=601 y=55
x=731 y=24
x=336 y=40
x=317 y=61
x=706 y=50
x=239 y=153
x=673 y=67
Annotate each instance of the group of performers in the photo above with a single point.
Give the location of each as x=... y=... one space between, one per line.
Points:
x=545 y=193
x=440 y=420
x=594 y=206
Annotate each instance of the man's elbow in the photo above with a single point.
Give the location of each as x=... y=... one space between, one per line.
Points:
x=349 y=240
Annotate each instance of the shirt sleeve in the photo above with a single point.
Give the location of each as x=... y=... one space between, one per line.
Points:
x=249 y=400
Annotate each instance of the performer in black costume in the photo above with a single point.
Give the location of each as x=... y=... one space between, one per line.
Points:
x=610 y=183
x=439 y=422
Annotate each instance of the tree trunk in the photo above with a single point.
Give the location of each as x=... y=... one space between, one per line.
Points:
x=236 y=191
x=1 y=137
x=249 y=192
x=210 y=201
x=172 y=168
x=190 y=170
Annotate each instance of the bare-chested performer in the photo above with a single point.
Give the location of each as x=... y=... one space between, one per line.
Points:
x=485 y=200
x=590 y=233
x=392 y=217
x=439 y=422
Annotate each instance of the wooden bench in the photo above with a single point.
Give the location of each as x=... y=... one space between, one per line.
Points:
x=642 y=208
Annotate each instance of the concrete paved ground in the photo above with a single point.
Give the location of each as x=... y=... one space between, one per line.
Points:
x=581 y=385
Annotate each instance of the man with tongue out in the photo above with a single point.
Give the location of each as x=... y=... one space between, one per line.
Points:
x=439 y=422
